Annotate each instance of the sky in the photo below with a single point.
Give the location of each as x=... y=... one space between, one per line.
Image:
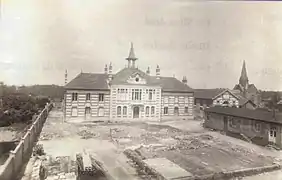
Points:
x=204 y=41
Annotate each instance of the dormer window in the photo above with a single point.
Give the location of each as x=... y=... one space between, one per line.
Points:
x=137 y=79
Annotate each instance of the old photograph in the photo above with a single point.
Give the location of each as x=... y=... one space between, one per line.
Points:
x=140 y=90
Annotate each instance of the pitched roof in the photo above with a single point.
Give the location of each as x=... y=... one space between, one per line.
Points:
x=167 y=83
x=89 y=81
x=251 y=88
x=247 y=113
x=207 y=93
x=99 y=81
x=172 y=84
x=242 y=99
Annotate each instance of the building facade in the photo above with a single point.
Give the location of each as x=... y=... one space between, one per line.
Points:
x=259 y=127
x=217 y=97
x=130 y=94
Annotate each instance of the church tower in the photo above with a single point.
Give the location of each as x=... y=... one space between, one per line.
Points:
x=244 y=81
x=131 y=57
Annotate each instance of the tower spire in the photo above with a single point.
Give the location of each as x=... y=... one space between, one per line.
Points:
x=244 y=81
x=131 y=57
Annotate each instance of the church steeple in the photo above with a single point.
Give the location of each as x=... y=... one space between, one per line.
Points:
x=244 y=81
x=131 y=57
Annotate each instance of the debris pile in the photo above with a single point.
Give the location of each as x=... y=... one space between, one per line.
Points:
x=87 y=134
x=49 y=136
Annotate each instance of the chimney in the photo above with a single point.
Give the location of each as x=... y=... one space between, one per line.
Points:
x=110 y=72
x=66 y=77
x=148 y=71
x=106 y=69
x=158 y=72
x=184 y=80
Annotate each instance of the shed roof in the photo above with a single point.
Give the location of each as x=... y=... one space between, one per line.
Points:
x=247 y=113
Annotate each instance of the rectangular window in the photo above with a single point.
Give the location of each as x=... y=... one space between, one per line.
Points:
x=147 y=111
x=165 y=110
x=186 y=110
x=152 y=111
x=101 y=97
x=150 y=94
x=74 y=96
x=273 y=132
x=136 y=94
x=186 y=100
x=232 y=122
x=257 y=127
x=88 y=97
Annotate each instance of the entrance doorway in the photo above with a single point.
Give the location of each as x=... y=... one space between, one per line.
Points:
x=136 y=111
x=272 y=134
x=87 y=113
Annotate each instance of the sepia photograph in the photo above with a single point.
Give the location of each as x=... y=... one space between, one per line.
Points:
x=140 y=90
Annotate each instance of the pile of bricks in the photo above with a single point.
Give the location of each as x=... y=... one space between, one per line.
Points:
x=63 y=176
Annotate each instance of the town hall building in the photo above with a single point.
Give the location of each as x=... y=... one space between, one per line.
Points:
x=129 y=94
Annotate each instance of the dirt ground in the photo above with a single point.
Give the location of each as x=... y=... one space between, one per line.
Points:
x=185 y=143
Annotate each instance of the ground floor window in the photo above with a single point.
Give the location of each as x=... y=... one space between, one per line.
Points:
x=74 y=111
x=119 y=111
x=176 y=111
x=152 y=111
x=124 y=111
x=147 y=110
x=257 y=127
x=100 y=111
x=186 y=110
x=165 y=110
x=232 y=122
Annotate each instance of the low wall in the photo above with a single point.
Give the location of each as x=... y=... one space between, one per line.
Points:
x=21 y=154
x=142 y=166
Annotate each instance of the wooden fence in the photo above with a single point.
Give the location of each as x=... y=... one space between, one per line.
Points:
x=21 y=154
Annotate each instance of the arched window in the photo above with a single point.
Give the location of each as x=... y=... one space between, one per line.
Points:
x=176 y=111
x=152 y=110
x=119 y=111
x=124 y=111
x=100 y=111
x=147 y=110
